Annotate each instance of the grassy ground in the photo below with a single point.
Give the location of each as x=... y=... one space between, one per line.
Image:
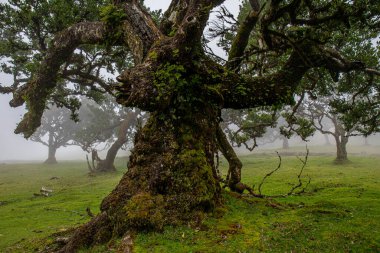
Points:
x=339 y=213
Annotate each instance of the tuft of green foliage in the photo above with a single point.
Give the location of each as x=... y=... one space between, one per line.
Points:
x=113 y=16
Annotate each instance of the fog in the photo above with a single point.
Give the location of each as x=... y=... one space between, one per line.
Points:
x=15 y=147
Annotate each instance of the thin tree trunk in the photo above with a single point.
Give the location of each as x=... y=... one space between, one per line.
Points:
x=108 y=163
x=341 y=143
x=235 y=165
x=52 y=150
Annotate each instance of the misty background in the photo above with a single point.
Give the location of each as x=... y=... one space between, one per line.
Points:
x=15 y=147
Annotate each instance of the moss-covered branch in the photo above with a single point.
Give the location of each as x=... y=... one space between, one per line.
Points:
x=36 y=92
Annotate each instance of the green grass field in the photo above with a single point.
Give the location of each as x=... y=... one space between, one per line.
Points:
x=340 y=211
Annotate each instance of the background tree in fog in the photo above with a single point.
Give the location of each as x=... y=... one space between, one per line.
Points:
x=257 y=127
x=249 y=128
x=57 y=130
x=27 y=28
x=107 y=124
x=348 y=105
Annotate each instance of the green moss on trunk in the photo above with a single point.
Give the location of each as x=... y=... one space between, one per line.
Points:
x=170 y=178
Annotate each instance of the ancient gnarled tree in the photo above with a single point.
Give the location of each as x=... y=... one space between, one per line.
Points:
x=171 y=176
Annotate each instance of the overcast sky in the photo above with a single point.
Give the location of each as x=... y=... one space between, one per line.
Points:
x=15 y=147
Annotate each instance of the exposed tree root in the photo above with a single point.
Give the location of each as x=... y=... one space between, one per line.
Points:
x=98 y=230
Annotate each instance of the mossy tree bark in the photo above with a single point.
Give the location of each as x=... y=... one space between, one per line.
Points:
x=171 y=178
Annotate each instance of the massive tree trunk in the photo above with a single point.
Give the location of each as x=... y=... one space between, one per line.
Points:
x=171 y=178
x=52 y=150
x=341 y=151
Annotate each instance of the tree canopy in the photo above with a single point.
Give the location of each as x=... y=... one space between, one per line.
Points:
x=298 y=32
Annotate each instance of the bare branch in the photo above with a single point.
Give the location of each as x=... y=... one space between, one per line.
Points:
x=270 y=173
x=372 y=71
x=304 y=162
x=292 y=190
